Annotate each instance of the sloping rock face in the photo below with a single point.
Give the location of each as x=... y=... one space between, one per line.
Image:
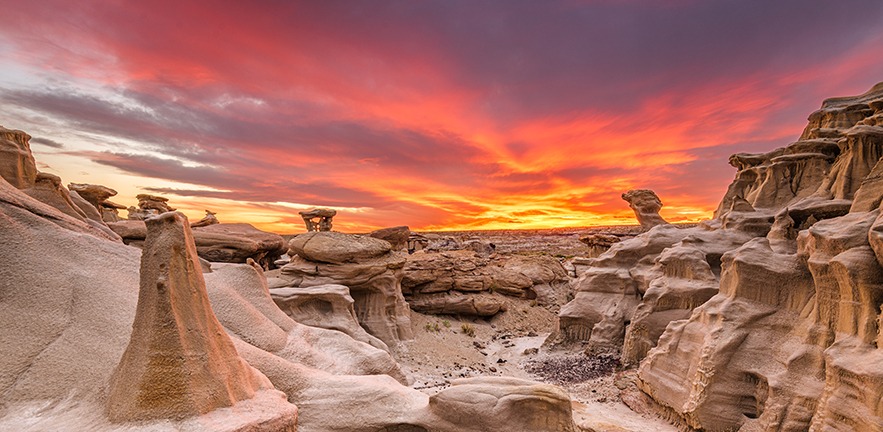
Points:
x=366 y=265
x=792 y=340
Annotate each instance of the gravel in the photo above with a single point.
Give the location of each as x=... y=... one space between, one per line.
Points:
x=573 y=368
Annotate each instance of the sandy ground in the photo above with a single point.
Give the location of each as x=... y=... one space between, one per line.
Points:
x=509 y=344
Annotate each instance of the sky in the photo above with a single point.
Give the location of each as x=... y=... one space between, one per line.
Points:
x=460 y=114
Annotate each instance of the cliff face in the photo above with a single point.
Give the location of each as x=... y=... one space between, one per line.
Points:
x=792 y=339
x=767 y=317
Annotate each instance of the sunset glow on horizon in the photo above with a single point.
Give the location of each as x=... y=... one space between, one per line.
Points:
x=439 y=115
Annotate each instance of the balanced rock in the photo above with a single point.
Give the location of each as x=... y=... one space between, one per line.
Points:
x=208 y=219
x=318 y=219
x=17 y=165
x=646 y=206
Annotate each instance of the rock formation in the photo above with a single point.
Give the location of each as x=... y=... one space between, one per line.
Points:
x=97 y=196
x=179 y=363
x=318 y=219
x=646 y=205
x=365 y=265
x=767 y=317
x=66 y=331
x=397 y=236
x=234 y=243
x=533 y=277
x=149 y=205
x=208 y=219
x=18 y=166
x=326 y=306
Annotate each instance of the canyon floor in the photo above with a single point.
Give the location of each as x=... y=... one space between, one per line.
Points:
x=511 y=343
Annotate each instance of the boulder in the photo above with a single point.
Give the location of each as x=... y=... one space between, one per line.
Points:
x=457 y=304
x=337 y=248
x=397 y=236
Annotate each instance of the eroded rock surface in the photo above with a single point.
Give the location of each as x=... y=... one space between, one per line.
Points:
x=366 y=265
x=646 y=206
x=17 y=165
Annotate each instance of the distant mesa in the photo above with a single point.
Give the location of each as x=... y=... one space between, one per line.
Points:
x=318 y=219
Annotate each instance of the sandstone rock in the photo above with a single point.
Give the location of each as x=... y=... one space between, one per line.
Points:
x=241 y=300
x=48 y=189
x=337 y=248
x=540 y=277
x=17 y=165
x=153 y=202
x=66 y=333
x=326 y=306
x=397 y=237
x=599 y=243
x=318 y=219
x=179 y=362
x=646 y=206
x=234 y=243
x=94 y=194
x=364 y=264
x=209 y=219
x=110 y=211
x=457 y=304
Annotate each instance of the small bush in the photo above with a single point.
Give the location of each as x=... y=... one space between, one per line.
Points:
x=432 y=327
x=467 y=330
x=446 y=323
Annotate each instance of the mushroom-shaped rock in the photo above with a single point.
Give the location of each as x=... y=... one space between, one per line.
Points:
x=364 y=264
x=180 y=362
x=17 y=165
x=646 y=206
x=318 y=219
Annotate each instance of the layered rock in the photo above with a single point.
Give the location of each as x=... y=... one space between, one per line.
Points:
x=532 y=277
x=97 y=196
x=17 y=165
x=233 y=243
x=365 y=265
x=457 y=304
x=326 y=306
x=792 y=340
x=397 y=237
x=646 y=206
x=149 y=205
